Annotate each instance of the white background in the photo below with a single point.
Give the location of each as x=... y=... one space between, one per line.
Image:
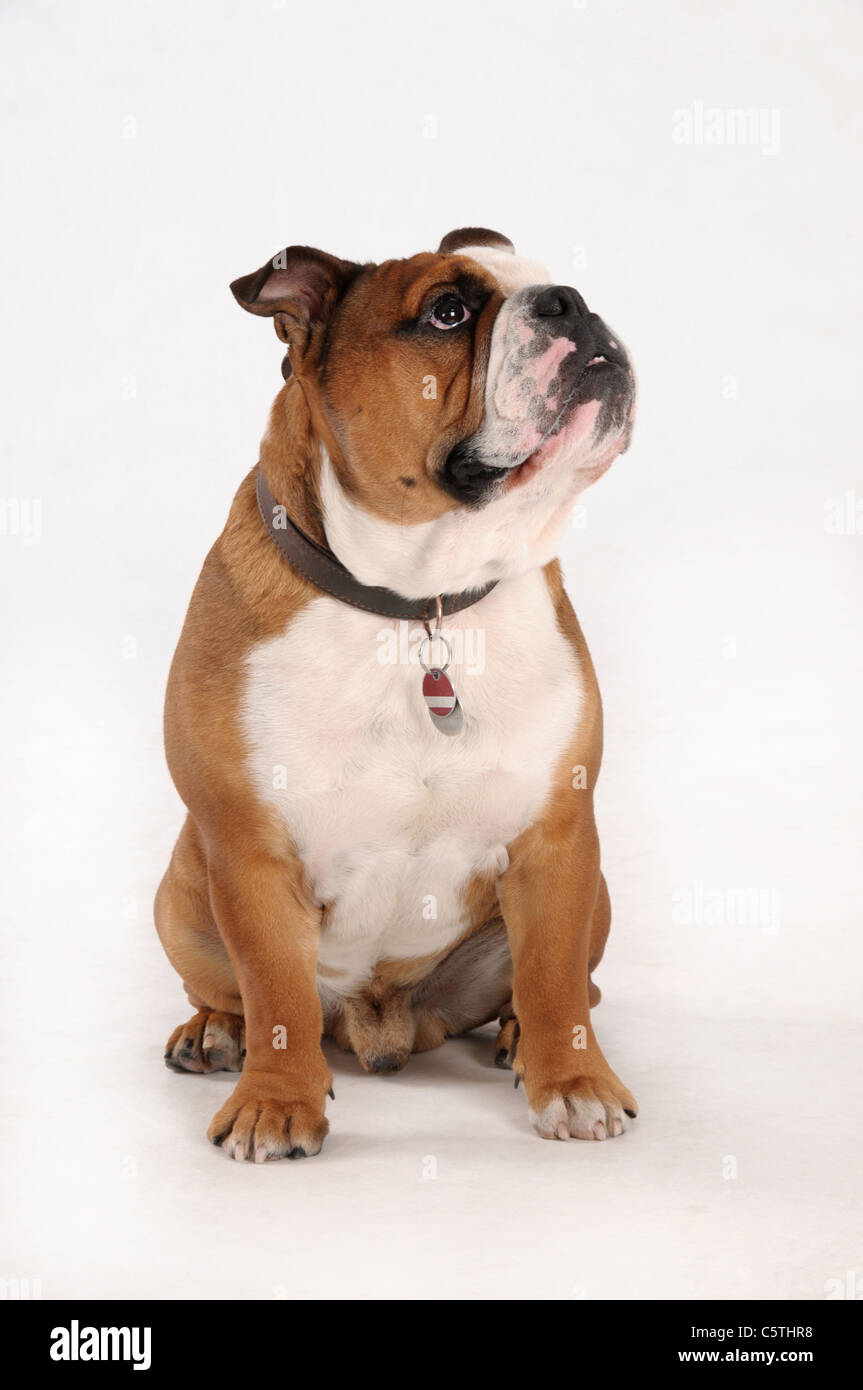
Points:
x=155 y=152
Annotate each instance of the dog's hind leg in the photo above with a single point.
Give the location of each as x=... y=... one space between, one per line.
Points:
x=507 y=1039
x=470 y=987
x=214 y=1039
x=599 y=928
x=210 y=1041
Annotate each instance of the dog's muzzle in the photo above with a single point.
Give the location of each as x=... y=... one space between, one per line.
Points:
x=548 y=355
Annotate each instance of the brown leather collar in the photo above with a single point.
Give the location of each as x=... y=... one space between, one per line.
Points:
x=320 y=567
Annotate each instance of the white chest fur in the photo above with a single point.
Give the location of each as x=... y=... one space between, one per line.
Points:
x=391 y=818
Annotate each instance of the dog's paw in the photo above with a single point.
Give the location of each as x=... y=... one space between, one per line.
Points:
x=268 y=1117
x=506 y=1043
x=589 y=1107
x=208 y=1042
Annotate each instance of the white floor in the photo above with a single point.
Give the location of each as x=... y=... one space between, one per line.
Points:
x=719 y=607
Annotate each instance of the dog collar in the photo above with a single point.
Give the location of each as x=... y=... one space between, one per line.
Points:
x=320 y=567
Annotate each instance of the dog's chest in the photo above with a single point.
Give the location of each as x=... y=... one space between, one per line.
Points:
x=391 y=818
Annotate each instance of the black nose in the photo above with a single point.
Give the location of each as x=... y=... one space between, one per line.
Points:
x=554 y=301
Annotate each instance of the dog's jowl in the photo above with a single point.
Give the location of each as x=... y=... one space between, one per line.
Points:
x=390 y=840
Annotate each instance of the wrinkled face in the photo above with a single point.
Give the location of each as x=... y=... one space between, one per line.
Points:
x=456 y=380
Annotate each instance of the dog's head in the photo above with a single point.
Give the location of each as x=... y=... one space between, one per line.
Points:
x=457 y=393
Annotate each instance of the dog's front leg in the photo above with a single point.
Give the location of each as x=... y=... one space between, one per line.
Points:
x=548 y=897
x=270 y=927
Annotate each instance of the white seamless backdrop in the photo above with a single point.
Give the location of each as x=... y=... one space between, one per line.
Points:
x=153 y=154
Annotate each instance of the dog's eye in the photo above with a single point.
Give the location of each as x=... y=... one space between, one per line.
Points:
x=449 y=311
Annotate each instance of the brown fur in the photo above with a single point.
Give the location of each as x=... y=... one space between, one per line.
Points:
x=235 y=911
x=555 y=903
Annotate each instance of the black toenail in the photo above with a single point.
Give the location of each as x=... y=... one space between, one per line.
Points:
x=298 y=1152
x=630 y=1113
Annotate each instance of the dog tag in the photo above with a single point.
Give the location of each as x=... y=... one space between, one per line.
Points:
x=442 y=703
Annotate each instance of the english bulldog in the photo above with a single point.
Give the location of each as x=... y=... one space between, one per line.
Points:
x=382 y=716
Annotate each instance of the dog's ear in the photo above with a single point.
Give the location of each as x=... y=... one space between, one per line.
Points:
x=298 y=290
x=473 y=236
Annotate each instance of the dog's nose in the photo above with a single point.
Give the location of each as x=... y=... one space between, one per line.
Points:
x=557 y=301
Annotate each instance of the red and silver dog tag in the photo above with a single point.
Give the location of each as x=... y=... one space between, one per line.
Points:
x=441 y=700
